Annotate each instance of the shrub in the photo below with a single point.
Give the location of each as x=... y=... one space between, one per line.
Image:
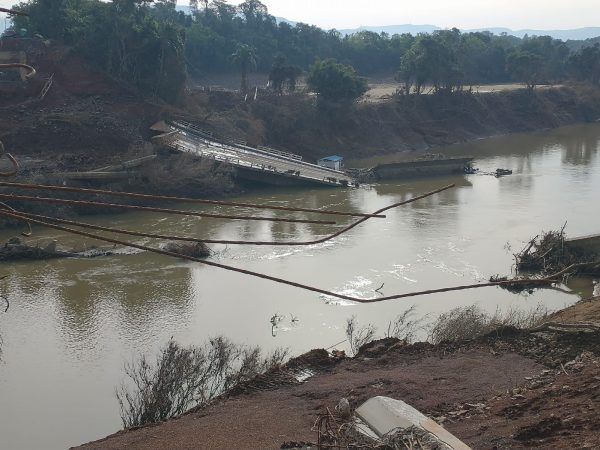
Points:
x=404 y=327
x=335 y=82
x=184 y=377
x=357 y=337
x=470 y=322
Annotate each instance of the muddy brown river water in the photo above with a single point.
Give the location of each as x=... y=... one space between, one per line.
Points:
x=73 y=322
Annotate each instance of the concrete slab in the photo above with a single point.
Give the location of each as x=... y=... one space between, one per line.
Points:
x=384 y=414
x=585 y=244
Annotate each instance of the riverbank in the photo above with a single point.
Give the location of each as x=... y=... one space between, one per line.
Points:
x=87 y=120
x=510 y=388
x=409 y=126
x=83 y=319
x=404 y=124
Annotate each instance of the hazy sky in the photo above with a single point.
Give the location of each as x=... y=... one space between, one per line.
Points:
x=555 y=14
x=540 y=14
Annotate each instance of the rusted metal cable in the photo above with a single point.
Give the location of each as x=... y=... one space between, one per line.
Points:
x=24 y=233
x=181 y=199
x=230 y=242
x=154 y=209
x=30 y=70
x=548 y=280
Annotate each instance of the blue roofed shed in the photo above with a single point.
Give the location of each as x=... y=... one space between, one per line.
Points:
x=333 y=162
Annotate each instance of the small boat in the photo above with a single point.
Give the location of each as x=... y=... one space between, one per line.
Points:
x=470 y=170
x=502 y=172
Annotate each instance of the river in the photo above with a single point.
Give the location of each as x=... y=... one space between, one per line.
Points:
x=73 y=323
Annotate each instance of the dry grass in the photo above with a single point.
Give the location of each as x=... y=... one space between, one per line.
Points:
x=405 y=326
x=358 y=336
x=470 y=322
x=187 y=175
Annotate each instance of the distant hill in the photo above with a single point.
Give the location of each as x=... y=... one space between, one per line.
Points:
x=576 y=34
x=393 y=29
x=565 y=35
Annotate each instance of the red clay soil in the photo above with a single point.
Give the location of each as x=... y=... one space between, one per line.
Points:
x=267 y=419
x=85 y=119
x=559 y=409
x=509 y=389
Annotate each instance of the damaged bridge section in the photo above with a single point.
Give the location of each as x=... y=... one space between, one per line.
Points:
x=261 y=165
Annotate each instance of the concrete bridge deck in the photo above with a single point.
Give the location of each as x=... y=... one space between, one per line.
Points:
x=585 y=244
x=257 y=164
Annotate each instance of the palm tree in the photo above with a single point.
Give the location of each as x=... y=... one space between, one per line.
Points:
x=245 y=57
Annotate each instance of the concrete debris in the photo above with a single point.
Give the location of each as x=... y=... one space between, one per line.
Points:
x=390 y=419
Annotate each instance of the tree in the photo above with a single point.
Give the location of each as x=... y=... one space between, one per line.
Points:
x=585 y=64
x=408 y=74
x=128 y=39
x=292 y=73
x=432 y=59
x=524 y=66
x=335 y=82
x=245 y=58
x=553 y=55
x=281 y=74
x=277 y=74
x=253 y=11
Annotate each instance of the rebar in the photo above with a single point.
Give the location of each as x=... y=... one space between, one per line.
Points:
x=231 y=242
x=182 y=199
x=548 y=280
x=30 y=70
x=156 y=209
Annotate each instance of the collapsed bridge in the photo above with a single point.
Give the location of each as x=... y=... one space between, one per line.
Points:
x=257 y=164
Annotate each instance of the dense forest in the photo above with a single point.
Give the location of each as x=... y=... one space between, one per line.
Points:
x=155 y=46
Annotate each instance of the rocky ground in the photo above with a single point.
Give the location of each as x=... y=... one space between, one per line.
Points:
x=509 y=389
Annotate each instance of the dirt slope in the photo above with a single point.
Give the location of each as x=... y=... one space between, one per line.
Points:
x=510 y=389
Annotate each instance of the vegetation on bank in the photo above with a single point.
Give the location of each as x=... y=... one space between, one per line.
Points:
x=182 y=378
x=186 y=377
x=152 y=44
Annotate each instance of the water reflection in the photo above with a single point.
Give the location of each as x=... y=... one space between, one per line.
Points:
x=581 y=149
x=79 y=319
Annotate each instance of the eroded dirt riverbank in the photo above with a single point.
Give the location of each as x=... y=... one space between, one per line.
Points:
x=509 y=389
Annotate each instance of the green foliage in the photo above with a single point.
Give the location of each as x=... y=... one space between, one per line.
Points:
x=128 y=39
x=433 y=59
x=552 y=56
x=525 y=66
x=245 y=57
x=283 y=75
x=335 y=82
x=152 y=45
x=448 y=60
x=585 y=64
